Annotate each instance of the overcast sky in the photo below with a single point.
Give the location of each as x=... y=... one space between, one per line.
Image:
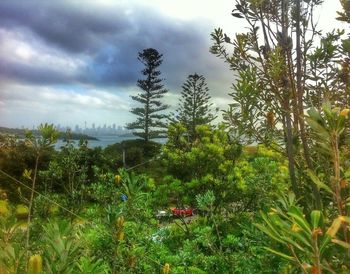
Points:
x=71 y=61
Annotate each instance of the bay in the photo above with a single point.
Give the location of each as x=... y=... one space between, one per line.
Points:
x=103 y=141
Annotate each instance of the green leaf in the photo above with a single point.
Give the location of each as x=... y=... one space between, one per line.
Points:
x=285 y=256
x=330 y=114
x=341 y=243
x=270 y=225
x=291 y=241
x=318 y=128
x=298 y=217
x=303 y=239
x=315 y=218
x=269 y=233
x=318 y=182
x=325 y=242
x=346 y=45
x=315 y=115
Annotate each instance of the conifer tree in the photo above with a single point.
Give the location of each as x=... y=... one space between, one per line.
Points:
x=149 y=123
x=195 y=107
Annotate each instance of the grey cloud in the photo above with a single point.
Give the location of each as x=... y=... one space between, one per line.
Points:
x=108 y=41
x=28 y=74
x=60 y=24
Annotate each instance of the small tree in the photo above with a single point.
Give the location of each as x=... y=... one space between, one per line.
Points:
x=48 y=136
x=195 y=108
x=279 y=75
x=149 y=123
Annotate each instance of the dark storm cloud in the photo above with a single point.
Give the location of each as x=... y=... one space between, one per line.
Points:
x=180 y=45
x=106 y=40
x=69 y=27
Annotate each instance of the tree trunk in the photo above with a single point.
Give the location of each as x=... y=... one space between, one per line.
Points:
x=286 y=104
x=147 y=110
x=300 y=96
x=31 y=200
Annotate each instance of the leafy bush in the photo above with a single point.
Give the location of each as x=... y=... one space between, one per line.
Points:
x=44 y=208
x=136 y=152
x=62 y=248
x=91 y=265
x=214 y=162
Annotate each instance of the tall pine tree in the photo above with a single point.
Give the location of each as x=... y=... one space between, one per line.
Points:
x=195 y=107
x=149 y=123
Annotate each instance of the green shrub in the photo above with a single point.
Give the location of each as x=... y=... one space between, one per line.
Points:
x=136 y=151
x=90 y=265
x=62 y=248
x=44 y=208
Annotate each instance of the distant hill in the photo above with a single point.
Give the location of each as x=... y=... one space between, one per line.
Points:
x=21 y=133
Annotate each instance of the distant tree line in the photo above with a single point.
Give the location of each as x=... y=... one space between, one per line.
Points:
x=61 y=135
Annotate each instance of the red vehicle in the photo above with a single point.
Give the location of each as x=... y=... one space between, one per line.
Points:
x=182 y=211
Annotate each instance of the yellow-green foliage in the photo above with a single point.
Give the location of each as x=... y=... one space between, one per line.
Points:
x=3 y=195
x=264 y=151
x=151 y=184
x=242 y=170
x=35 y=264
x=4 y=208
x=21 y=212
x=250 y=150
x=54 y=209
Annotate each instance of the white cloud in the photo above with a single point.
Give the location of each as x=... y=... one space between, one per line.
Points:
x=16 y=47
x=24 y=105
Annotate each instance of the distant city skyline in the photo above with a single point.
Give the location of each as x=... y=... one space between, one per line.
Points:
x=89 y=128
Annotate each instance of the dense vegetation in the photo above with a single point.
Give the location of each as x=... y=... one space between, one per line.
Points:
x=269 y=186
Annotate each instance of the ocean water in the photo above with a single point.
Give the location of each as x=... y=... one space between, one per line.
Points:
x=104 y=140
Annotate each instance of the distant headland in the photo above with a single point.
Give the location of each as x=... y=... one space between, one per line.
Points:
x=62 y=136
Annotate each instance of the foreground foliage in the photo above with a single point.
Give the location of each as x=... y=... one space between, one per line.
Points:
x=117 y=230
